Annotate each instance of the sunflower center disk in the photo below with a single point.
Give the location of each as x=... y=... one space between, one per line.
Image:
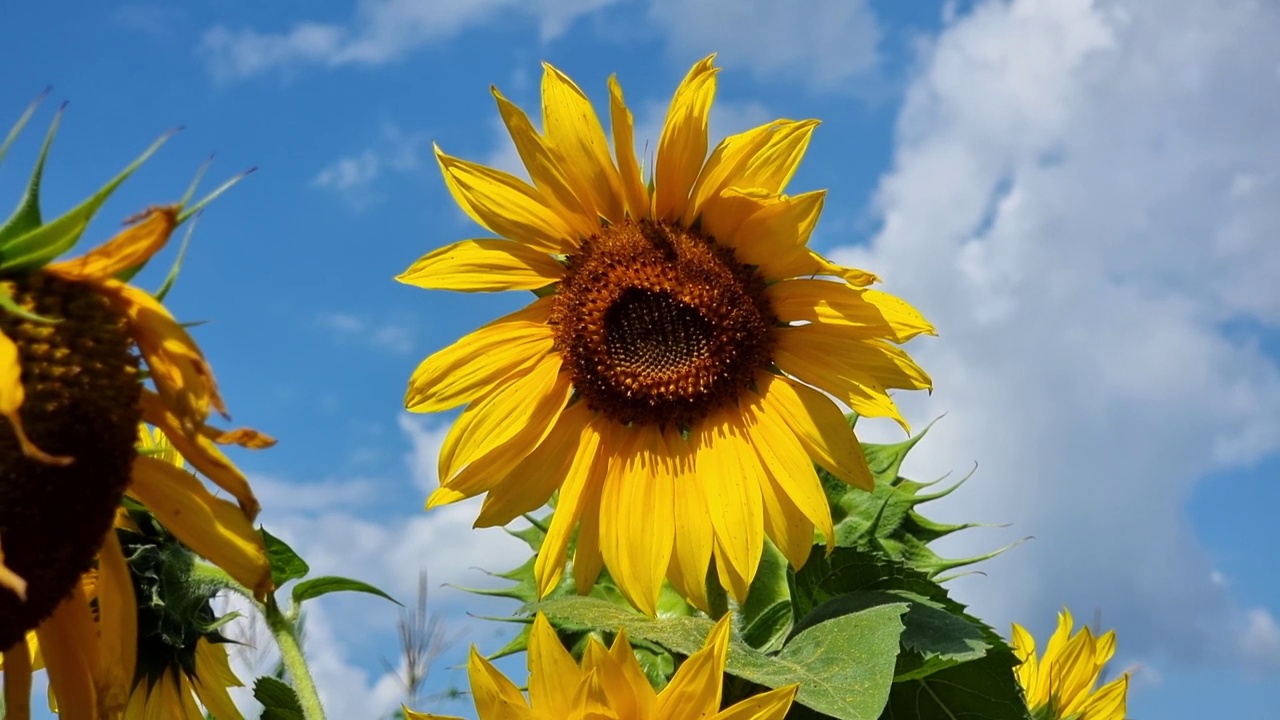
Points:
x=660 y=325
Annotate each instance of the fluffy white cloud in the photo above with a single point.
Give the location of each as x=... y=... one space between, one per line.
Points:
x=1083 y=199
x=821 y=42
x=381 y=31
x=352 y=177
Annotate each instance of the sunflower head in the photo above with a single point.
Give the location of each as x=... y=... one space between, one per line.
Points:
x=1062 y=683
x=609 y=684
x=669 y=380
x=74 y=336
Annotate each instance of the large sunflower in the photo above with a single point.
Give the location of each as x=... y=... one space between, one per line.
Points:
x=74 y=337
x=668 y=379
x=1062 y=683
x=610 y=685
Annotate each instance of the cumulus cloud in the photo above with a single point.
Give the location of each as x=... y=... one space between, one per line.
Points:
x=1082 y=198
x=381 y=31
x=352 y=177
x=379 y=333
x=822 y=42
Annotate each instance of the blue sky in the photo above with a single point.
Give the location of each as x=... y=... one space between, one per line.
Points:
x=1079 y=194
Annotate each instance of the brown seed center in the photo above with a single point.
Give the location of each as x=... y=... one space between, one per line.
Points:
x=660 y=325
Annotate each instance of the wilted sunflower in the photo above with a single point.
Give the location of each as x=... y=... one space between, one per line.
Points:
x=667 y=381
x=73 y=336
x=609 y=685
x=1060 y=684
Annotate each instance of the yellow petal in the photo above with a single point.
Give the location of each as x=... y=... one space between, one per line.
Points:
x=553 y=674
x=118 y=624
x=129 y=249
x=178 y=368
x=507 y=206
x=682 y=147
x=870 y=313
x=17 y=683
x=201 y=453
x=636 y=523
x=575 y=135
x=775 y=237
x=771 y=705
x=695 y=689
x=691 y=554
x=561 y=189
x=11 y=397
x=587 y=468
x=722 y=218
x=588 y=558
x=1106 y=647
x=242 y=436
x=69 y=643
x=212 y=527
x=483 y=266
x=731 y=476
x=624 y=658
x=213 y=677
x=1109 y=702
x=496 y=697
x=819 y=426
x=624 y=147
x=771 y=168
x=411 y=715
x=792 y=475
x=724 y=166
x=472 y=366
x=492 y=421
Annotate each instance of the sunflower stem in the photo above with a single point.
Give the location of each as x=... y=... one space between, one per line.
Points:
x=284 y=630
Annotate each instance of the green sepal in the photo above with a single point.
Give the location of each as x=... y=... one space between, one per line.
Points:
x=26 y=216
x=9 y=305
x=22 y=122
x=172 y=277
x=42 y=244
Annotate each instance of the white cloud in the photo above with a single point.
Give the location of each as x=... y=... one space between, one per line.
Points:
x=381 y=31
x=392 y=336
x=821 y=42
x=352 y=177
x=1082 y=195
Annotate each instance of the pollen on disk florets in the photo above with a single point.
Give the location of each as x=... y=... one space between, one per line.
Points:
x=660 y=325
x=80 y=377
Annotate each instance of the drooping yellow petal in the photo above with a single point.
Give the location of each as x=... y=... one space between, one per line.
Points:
x=683 y=145
x=793 y=478
x=553 y=674
x=624 y=144
x=561 y=189
x=212 y=527
x=178 y=368
x=636 y=517
x=492 y=421
x=485 y=265
x=695 y=690
x=731 y=476
x=481 y=360
x=771 y=705
x=242 y=436
x=11 y=397
x=69 y=643
x=213 y=677
x=201 y=452
x=819 y=426
x=588 y=558
x=17 y=683
x=866 y=313
x=133 y=246
x=694 y=538
x=496 y=697
x=575 y=135
x=506 y=205
x=531 y=482
x=118 y=624
x=587 y=468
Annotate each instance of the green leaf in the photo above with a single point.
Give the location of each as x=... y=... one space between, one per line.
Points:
x=286 y=565
x=279 y=701
x=766 y=614
x=315 y=587
x=42 y=244
x=982 y=689
x=27 y=215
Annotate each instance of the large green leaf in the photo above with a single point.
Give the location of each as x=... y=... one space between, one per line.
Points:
x=981 y=689
x=766 y=615
x=279 y=701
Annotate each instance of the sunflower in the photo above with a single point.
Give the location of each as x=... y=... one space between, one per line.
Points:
x=1060 y=684
x=668 y=381
x=77 y=345
x=610 y=685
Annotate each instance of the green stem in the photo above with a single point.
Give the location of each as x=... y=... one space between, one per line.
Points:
x=286 y=635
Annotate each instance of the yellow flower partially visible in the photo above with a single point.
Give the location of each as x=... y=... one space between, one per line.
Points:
x=173 y=695
x=1059 y=685
x=609 y=685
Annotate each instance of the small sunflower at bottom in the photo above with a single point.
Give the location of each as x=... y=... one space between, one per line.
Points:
x=1061 y=684
x=75 y=337
x=610 y=685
